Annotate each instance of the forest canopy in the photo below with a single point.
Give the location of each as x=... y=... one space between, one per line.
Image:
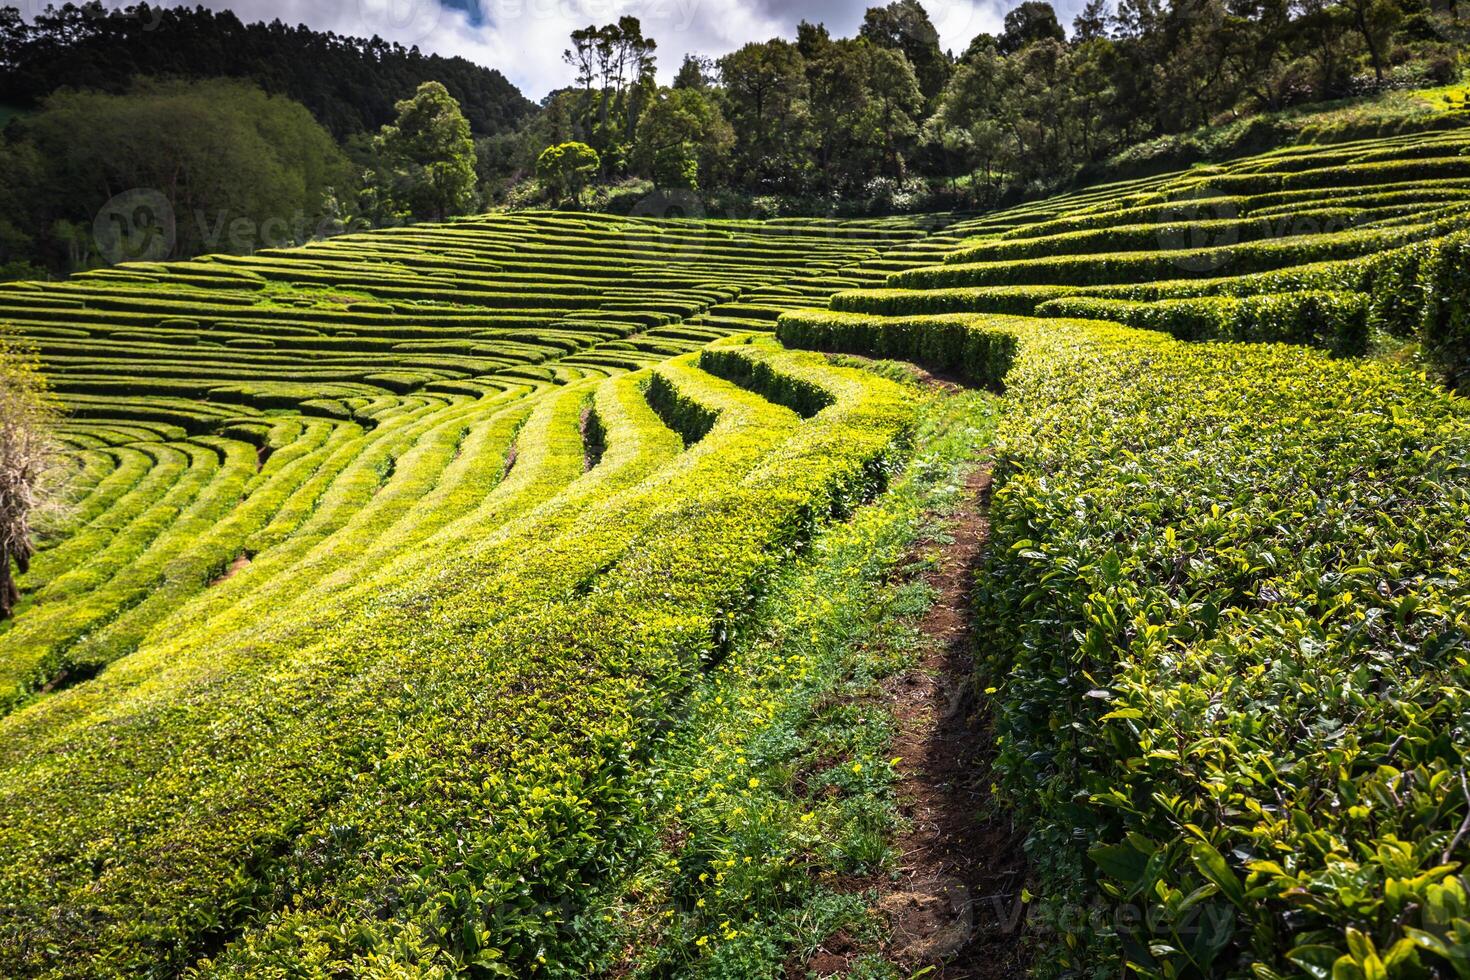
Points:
x=884 y=121
x=350 y=84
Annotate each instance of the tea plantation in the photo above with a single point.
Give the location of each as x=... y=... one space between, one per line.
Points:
x=1225 y=618
x=394 y=563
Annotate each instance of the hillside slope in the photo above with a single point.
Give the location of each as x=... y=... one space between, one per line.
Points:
x=403 y=624
x=399 y=539
x=1224 y=626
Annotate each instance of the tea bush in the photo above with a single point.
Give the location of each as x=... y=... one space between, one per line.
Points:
x=1226 y=619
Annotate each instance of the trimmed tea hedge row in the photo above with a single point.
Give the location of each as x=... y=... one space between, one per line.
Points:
x=386 y=341
x=1244 y=251
x=958 y=344
x=1180 y=263
x=1334 y=321
x=1226 y=623
x=474 y=734
x=1423 y=293
x=1240 y=666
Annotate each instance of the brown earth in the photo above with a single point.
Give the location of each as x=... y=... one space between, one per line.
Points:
x=954 y=904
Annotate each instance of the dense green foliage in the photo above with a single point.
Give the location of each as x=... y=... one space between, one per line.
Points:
x=426 y=603
x=427 y=160
x=1342 y=247
x=882 y=122
x=1225 y=618
x=1420 y=293
x=335 y=504
x=349 y=84
x=1228 y=674
x=889 y=120
x=169 y=168
x=565 y=169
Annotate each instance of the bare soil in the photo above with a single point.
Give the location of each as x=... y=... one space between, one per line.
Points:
x=954 y=904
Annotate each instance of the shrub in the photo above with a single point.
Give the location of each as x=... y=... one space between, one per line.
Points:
x=957 y=344
x=1226 y=626
x=1334 y=321
x=1445 y=285
x=564 y=170
x=1420 y=293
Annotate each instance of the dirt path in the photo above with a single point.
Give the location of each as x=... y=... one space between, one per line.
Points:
x=955 y=904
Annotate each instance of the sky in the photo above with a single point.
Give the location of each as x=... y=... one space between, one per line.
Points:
x=524 y=39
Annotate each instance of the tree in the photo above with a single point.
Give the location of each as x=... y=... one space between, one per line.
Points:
x=697 y=72
x=224 y=166
x=615 y=70
x=565 y=169
x=429 y=156
x=904 y=26
x=865 y=102
x=1375 y=20
x=1032 y=21
x=1323 y=26
x=349 y=84
x=28 y=454
x=1091 y=23
x=766 y=92
x=683 y=139
x=968 y=121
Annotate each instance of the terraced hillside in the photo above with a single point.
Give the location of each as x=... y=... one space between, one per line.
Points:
x=1225 y=619
x=1311 y=245
x=351 y=399
x=393 y=540
x=399 y=565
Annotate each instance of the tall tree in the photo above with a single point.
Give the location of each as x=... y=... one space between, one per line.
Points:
x=1031 y=21
x=904 y=26
x=615 y=67
x=1091 y=22
x=865 y=102
x=1375 y=20
x=766 y=89
x=697 y=72
x=683 y=139
x=429 y=155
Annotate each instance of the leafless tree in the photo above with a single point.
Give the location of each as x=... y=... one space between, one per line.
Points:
x=28 y=457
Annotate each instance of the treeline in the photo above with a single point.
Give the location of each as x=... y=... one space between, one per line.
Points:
x=174 y=168
x=322 y=133
x=890 y=117
x=350 y=84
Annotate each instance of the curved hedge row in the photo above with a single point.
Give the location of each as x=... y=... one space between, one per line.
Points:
x=1333 y=321
x=1424 y=293
x=421 y=712
x=1226 y=627
x=951 y=344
